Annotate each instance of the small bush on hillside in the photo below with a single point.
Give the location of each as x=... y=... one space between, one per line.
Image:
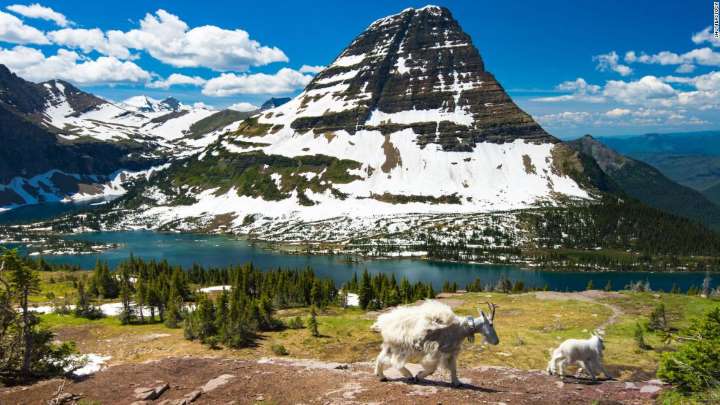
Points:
x=279 y=350
x=695 y=366
x=658 y=319
x=295 y=323
x=640 y=338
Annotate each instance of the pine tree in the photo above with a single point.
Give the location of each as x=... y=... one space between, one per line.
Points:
x=608 y=286
x=366 y=291
x=172 y=314
x=24 y=282
x=141 y=296
x=313 y=323
x=640 y=338
x=590 y=285
x=658 y=319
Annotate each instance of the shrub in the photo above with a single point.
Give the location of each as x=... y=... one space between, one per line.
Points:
x=295 y=323
x=658 y=319
x=640 y=338
x=279 y=350
x=313 y=323
x=695 y=366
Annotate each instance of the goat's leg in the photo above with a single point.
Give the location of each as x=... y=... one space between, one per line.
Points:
x=589 y=367
x=452 y=366
x=601 y=368
x=406 y=373
x=560 y=366
x=429 y=367
x=552 y=365
x=381 y=364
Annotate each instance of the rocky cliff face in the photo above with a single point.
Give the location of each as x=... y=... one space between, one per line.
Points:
x=419 y=70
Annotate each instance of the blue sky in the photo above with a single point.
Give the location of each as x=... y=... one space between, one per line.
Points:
x=565 y=62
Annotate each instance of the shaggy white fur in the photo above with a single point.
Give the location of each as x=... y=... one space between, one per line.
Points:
x=586 y=353
x=430 y=331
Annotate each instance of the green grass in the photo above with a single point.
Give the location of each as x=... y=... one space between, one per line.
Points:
x=55 y=321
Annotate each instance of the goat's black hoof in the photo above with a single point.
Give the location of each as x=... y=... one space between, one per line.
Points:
x=383 y=379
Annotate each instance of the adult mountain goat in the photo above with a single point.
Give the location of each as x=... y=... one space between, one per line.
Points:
x=586 y=353
x=430 y=331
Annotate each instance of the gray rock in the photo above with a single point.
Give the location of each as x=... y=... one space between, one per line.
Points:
x=650 y=389
x=217 y=382
x=150 y=393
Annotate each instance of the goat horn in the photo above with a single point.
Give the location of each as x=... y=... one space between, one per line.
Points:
x=492 y=309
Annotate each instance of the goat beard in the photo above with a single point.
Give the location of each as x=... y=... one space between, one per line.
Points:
x=471 y=339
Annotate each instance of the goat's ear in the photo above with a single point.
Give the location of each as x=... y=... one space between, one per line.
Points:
x=482 y=314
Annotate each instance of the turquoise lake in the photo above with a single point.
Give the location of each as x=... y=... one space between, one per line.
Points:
x=215 y=251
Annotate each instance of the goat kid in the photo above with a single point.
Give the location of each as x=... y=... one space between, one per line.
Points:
x=586 y=353
x=432 y=332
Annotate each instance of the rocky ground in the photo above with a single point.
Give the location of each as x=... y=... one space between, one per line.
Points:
x=287 y=381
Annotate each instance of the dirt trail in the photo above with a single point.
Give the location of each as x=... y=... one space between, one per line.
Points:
x=587 y=296
x=289 y=381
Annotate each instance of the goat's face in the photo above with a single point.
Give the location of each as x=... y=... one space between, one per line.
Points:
x=484 y=325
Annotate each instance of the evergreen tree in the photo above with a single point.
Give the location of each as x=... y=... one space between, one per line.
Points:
x=173 y=316
x=658 y=319
x=365 y=294
x=313 y=323
x=590 y=285
x=141 y=294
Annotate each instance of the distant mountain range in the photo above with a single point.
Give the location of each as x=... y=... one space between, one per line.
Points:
x=649 y=185
x=61 y=143
x=691 y=158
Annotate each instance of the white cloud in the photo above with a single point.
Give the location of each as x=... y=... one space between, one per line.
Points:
x=13 y=30
x=38 y=11
x=88 y=40
x=566 y=117
x=701 y=56
x=610 y=61
x=20 y=57
x=647 y=89
x=685 y=68
x=177 y=79
x=285 y=81
x=619 y=117
x=243 y=106
x=581 y=91
x=706 y=35
x=169 y=39
x=311 y=69
x=33 y=65
x=618 y=112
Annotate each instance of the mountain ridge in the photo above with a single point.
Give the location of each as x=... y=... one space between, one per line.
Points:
x=647 y=184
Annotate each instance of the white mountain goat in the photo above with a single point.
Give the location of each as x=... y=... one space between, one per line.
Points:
x=586 y=353
x=430 y=331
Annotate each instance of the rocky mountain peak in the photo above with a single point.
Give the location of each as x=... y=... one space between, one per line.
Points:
x=274 y=102
x=415 y=69
x=606 y=158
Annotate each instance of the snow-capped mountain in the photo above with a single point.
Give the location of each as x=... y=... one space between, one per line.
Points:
x=60 y=143
x=406 y=120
